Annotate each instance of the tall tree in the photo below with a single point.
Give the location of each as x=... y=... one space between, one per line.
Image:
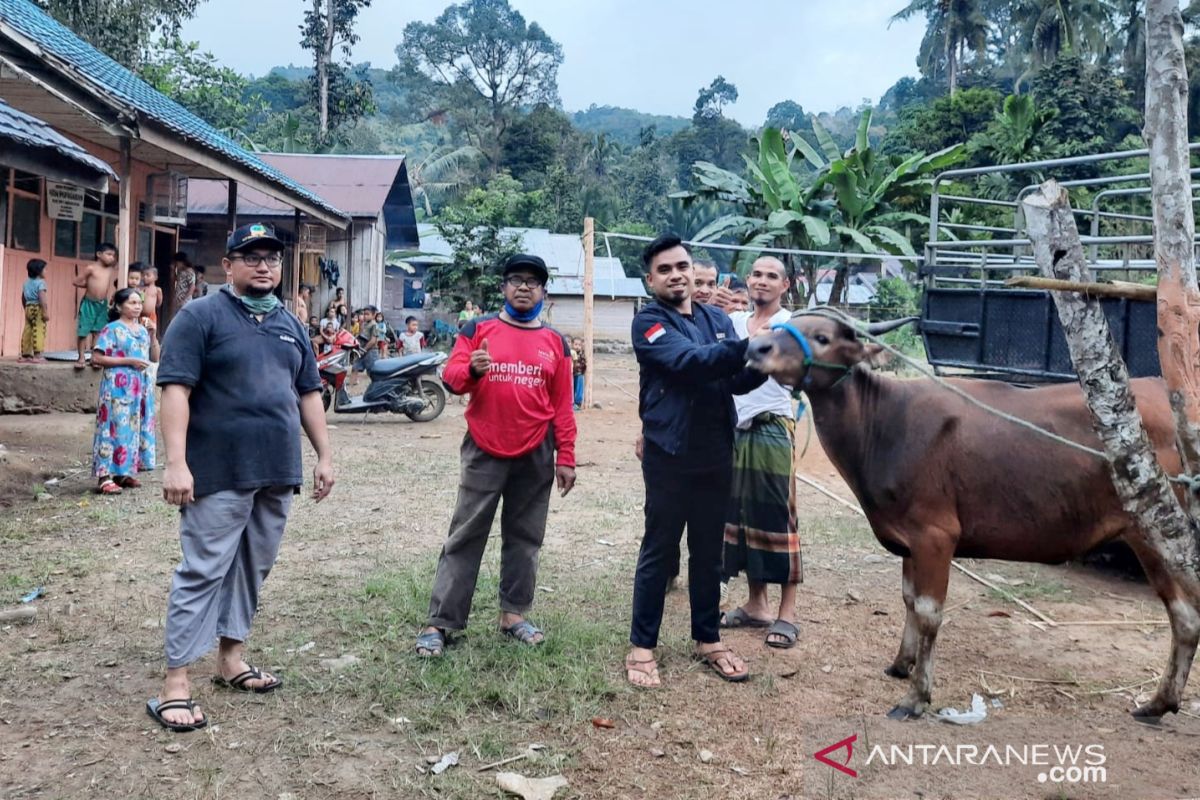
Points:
x=953 y=27
x=788 y=115
x=1049 y=28
x=340 y=99
x=712 y=100
x=483 y=52
x=123 y=29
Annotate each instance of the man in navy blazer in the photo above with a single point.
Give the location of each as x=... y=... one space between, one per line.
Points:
x=692 y=363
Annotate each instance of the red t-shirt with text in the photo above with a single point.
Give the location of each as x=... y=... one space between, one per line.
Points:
x=528 y=387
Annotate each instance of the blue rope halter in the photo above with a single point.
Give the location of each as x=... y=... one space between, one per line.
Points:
x=809 y=360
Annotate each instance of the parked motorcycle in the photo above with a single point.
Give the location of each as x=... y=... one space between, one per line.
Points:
x=404 y=385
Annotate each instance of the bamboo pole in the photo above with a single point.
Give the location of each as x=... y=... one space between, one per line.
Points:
x=125 y=237
x=589 y=266
x=295 y=282
x=1129 y=291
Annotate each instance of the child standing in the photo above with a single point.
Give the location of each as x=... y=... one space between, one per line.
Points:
x=152 y=295
x=35 y=297
x=381 y=333
x=412 y=341
x=134 y=278
x=97 y=281
x=578 y=367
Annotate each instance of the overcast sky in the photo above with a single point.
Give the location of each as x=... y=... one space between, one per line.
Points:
x=651 y=55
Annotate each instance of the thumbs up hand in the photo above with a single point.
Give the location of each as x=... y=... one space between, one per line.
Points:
x=481 y=360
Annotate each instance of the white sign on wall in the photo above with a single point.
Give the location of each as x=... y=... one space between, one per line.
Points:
x=64 y=201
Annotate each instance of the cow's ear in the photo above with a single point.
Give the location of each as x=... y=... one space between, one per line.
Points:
x=876 y=356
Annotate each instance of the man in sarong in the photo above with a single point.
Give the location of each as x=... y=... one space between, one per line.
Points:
x=760 y=530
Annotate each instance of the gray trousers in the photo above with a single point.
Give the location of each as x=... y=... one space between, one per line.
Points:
x=229 y=540
x=524 y=484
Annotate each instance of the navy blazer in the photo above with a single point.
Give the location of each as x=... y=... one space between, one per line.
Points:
x=675 y=358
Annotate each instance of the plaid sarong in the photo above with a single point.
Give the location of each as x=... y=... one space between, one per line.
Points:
x=760 y=528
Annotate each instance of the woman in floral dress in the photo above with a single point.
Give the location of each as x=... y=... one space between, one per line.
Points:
x=125 y=418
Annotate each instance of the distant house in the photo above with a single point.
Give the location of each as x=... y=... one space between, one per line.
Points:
x=92 y=153
x=615 y=296
x=372 y=190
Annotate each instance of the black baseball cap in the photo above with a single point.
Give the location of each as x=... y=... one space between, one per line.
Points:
x=256 y=234
x=527 y=262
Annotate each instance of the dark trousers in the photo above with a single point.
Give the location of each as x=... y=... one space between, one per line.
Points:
x=679 y=492
x=524 y=484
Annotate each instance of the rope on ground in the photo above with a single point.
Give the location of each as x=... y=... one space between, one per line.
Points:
x=627 y=393
x=1192 y=482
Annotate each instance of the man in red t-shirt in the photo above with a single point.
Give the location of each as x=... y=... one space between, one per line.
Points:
x=518 y=373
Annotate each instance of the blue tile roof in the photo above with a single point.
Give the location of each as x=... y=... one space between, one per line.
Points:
x=33 y=132
x=117 y=83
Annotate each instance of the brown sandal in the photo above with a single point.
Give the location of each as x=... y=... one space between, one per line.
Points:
x=639 y=665
x=713 y=659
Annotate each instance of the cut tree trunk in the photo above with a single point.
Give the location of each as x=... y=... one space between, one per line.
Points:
x=1144 y=489
x=1174 y=224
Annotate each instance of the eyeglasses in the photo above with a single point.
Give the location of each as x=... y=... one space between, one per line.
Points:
x=516 y=281
x=272 y=260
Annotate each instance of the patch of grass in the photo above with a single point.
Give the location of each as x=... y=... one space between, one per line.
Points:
x=1034 y=589
x=837 y=530
x=483 y=678
x=106 y=514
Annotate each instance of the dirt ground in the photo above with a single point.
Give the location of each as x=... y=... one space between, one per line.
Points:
x=353 y=580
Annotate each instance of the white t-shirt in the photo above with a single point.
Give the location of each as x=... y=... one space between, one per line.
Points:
x=771 y=396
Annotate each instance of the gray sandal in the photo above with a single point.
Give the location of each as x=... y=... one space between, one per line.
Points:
x=432 y=642
x=524 y=632
x=789 y=632
x=738 y=618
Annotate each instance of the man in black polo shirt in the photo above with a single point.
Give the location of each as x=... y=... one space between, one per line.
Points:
x=239 y=380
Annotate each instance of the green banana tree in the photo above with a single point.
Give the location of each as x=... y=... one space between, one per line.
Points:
x=775 y=206
x=857 y=201
x=875 y=197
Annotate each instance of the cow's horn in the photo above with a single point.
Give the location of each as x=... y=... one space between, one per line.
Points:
x=887 y=326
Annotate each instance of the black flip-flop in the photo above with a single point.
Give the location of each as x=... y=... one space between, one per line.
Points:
x=787 y=630
x=238 y=682
x=155 y=707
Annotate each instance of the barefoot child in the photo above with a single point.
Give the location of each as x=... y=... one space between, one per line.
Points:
x=152 y=294
x=35 y=297
x=96 y=280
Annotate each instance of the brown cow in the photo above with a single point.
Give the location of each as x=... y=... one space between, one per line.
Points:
x=940 y=478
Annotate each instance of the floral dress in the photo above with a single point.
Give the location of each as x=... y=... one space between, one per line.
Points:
x=125 y=418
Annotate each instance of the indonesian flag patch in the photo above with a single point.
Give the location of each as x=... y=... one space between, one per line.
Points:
x=655 y=333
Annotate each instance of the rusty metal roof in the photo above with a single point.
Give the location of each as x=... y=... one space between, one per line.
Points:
x=358 y=185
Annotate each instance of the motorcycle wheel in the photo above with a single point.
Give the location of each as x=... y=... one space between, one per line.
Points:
x=435 y=402
x=326 y=397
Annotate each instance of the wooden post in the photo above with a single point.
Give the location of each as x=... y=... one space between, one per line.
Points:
x=231 y=208
x=589 y=274
x=126 y=237
x=1174 y=224
x=349 y=266
x=296 y=262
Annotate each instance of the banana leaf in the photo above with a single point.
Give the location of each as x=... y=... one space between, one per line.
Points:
x=889 y=236
x=858 y=237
